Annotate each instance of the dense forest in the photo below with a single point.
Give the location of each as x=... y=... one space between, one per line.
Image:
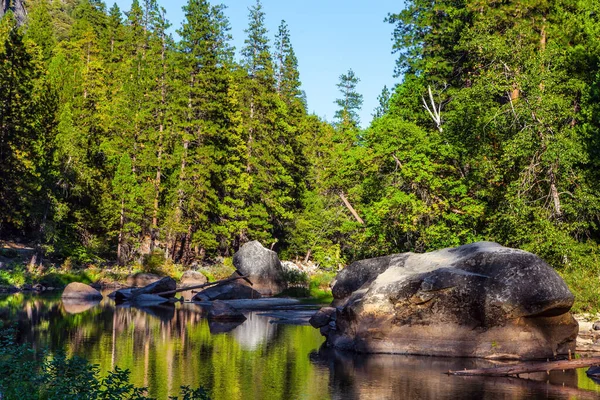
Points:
x=116 y=140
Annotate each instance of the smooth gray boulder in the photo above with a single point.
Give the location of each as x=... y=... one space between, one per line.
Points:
x=221 y=311
x=229 y=291
x=262 y=267
x=192 y=278
x=477 y=300
x=81 y=291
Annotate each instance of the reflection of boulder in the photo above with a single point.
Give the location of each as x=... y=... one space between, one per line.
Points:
x=164 y=312
x=262 y=267
x=81 y=291
x=385 y=376
x=256 y=330
x=477 y=300
x=220 y=311
x=76 y=306
x=216 y=327
x=228 y=291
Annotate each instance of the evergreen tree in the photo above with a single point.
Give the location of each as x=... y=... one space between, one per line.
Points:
x=350 y=103
x=384 y=103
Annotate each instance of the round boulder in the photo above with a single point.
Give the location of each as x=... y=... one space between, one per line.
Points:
x=262 y=267
x=477 y=300
x=81 y=291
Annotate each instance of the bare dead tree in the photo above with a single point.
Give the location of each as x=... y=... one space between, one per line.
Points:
x=435 y=111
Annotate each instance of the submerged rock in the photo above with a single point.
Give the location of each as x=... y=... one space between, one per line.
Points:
x=262 y=267
x=477 y=300
x=81 y=291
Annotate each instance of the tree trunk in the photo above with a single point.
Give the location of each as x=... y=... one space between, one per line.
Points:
x=526 y=368
x=352 y=210
x=120 y=243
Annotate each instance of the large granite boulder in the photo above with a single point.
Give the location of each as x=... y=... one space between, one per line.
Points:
x=228 y=291
x=477 y=300
x=262 y=267
x=81 y=291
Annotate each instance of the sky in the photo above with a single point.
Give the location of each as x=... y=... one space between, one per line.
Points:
x=329 y=38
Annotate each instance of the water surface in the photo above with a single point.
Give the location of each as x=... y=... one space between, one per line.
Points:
x=169 y=346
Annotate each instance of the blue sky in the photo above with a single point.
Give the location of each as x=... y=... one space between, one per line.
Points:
x=329 y=38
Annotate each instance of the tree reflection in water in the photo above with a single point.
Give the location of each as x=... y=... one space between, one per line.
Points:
x=172 y=345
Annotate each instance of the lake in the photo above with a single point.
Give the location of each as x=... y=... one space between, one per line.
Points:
x=169 y=346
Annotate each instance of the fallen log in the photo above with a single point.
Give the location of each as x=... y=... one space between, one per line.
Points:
x=204 y=285
x=525 y=368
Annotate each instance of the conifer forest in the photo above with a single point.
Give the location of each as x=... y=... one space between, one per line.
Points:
x=119 y=139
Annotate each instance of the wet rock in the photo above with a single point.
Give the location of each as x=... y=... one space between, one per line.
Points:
x=221 y=311
x=477 y=300
x=38 y=287
x=596 y=326
x=192 y=278
x=142 y=279
x=165 y=284
x=229 y=291
x=262 y=266
x=322 y=317
x=81 y=291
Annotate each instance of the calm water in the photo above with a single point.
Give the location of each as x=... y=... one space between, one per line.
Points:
x=166 y=347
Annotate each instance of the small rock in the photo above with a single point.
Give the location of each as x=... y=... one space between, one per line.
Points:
x=142 y=279
x=81 y=291
x=192 y=278
x=596 y=326
x=38 y=287
x=224 y=312
x=322 y=317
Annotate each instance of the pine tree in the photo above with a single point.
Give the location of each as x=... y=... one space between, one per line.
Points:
x=40 y=29
x=384 y=103
x=287 y=76
x=270 y=141
x=350 y=103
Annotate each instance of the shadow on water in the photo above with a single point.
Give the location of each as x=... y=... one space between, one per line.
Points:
x=167 y=346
